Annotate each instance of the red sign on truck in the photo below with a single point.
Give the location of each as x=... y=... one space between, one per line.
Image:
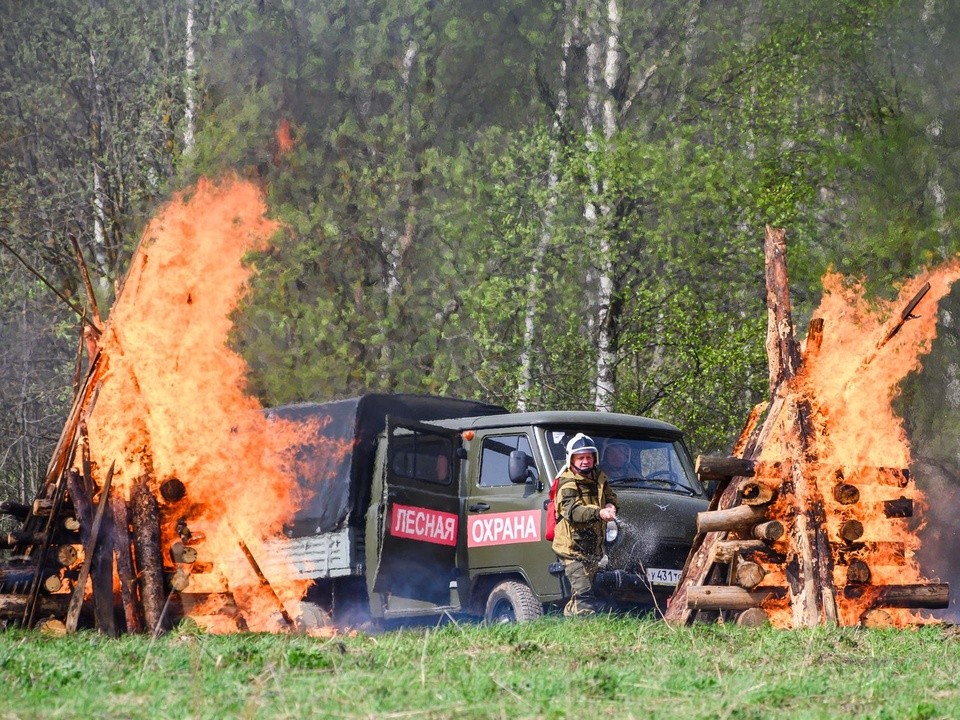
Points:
x=417 y=523
x=503 y=528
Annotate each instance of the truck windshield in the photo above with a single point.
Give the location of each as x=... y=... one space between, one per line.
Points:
x=631 y=461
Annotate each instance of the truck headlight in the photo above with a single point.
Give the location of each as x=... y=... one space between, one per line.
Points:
x=613 y=529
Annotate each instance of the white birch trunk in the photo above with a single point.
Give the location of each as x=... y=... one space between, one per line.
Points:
x=935 y=32
x=606 y=337
x=189 y=82
x=525 y=388
x=100 y=200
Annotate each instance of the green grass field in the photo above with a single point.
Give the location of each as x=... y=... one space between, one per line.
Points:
x=614 y=668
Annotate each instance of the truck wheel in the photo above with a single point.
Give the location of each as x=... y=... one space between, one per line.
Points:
x=512 y=601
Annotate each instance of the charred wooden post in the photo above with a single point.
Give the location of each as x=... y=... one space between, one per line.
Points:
x=809 y=564
x=145 y=519
x=132 y=611
x=76 y=600
x=783 y=354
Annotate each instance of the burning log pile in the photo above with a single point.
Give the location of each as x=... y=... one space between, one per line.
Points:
x=813 y=519
x=165 y=476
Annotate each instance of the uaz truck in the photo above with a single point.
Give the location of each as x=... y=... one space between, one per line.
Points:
x=439 y=507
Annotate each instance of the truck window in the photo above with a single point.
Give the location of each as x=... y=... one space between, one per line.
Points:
x=423 y=458
x=633 y=460
x=495 y=456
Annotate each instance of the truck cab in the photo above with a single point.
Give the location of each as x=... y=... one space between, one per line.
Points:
x=457 y=516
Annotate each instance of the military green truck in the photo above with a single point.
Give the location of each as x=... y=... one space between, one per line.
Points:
x=439 y=508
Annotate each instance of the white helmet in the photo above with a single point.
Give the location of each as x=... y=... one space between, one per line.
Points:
x=581 y=443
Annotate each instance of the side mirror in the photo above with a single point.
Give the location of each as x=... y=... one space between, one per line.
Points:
x=521 y=468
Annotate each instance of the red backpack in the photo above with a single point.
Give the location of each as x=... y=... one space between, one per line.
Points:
x=551 y=508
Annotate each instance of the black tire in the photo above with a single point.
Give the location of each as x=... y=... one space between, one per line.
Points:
x=512 y=601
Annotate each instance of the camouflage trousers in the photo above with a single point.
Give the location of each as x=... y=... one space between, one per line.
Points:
x=580 y=575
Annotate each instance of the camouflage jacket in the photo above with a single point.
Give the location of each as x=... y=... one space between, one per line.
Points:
x=580 y=531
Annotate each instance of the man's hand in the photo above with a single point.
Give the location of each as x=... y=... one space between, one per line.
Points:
x=608 y=512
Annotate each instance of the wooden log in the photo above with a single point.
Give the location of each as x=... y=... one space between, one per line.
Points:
x=129 y=597
x=734 y=518
x=21 y=537
x=181 y=553
x=52 y=626
x=753 y=617
x=748 y=574
x=756 y=493
x=67 y=555
x=14 y=575
x=710 y=467
x=14 y=509
x=727 y=550
x=52 y=583
x=172 y=490
x=902 y=507
x=70 y=524
x=851 y=530
x=42 y=507
x=858 y=572
x=179 y=580
x=76 y=599
x=783 y=354
x=846 y=494
x=14 y=606
x=771 y=531
x=145 y=520
x=932 y=596
x=729 y=597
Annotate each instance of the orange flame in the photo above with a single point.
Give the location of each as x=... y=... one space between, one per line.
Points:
x=172 y=401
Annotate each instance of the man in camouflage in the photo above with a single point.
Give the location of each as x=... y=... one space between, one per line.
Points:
x=584 y=505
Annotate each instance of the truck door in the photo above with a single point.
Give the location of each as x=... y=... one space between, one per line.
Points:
x=420 y=512
x=505 y=519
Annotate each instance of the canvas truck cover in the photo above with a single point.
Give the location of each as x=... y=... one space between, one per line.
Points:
x=340 y=492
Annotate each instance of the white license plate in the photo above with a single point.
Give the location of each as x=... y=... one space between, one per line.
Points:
x=662 y=576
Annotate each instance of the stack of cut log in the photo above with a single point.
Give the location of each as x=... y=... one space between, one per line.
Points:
x=72 y=538
x=765 y=546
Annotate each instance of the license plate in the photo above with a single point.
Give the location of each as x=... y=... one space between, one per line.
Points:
x=662 y=576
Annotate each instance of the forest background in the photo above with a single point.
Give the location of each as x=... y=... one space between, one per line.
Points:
x=540 y=204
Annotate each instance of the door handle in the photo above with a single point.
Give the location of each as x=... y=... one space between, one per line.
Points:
x=479 y=507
